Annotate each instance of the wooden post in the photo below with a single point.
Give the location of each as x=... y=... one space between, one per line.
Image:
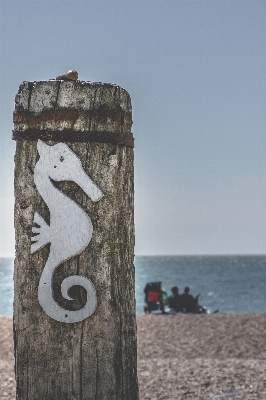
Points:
x=74 y=194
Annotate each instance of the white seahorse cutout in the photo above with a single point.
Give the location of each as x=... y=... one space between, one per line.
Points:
x=70 y=229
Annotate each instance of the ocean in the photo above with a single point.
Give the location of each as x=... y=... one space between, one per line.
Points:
x=227 y=283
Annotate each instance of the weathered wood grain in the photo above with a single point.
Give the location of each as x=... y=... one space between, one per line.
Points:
x=79 y=106
x=95 y=358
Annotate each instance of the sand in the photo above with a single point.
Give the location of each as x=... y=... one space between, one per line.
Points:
x=218 y=356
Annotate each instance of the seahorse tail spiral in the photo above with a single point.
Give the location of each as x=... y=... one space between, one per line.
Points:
x=78 y=280
x=55 y=311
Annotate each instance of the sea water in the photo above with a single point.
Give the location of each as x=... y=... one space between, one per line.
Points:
x=227 y=283
x=6 y=286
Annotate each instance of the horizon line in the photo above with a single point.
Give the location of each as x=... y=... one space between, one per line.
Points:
x=181 y=255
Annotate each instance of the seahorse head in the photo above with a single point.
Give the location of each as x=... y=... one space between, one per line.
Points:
x=60 y=163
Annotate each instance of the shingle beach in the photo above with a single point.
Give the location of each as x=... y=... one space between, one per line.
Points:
x=218 y=356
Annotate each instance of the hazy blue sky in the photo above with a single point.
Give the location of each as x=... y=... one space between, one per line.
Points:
x=195 y=71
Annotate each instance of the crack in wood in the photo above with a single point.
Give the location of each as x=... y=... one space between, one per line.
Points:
x=97 y=373
x=81 y=364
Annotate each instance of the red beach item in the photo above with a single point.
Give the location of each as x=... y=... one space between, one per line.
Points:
x=153 y=297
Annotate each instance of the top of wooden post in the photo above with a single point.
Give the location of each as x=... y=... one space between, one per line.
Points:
x=70 y=110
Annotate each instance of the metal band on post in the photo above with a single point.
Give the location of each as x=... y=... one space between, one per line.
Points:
x=115 y=138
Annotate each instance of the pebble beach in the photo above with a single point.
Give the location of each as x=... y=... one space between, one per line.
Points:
x=217 y=356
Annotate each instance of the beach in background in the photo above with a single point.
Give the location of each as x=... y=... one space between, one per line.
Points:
x=197 y=357
x=217 y=356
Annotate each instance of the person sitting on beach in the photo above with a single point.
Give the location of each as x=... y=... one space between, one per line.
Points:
x=174 y=300
x=188 y=302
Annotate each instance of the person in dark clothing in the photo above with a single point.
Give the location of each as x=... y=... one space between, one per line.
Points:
x=174 y=299
x=188 y=302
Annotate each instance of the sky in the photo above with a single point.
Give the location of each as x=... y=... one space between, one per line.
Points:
x=195 y=71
